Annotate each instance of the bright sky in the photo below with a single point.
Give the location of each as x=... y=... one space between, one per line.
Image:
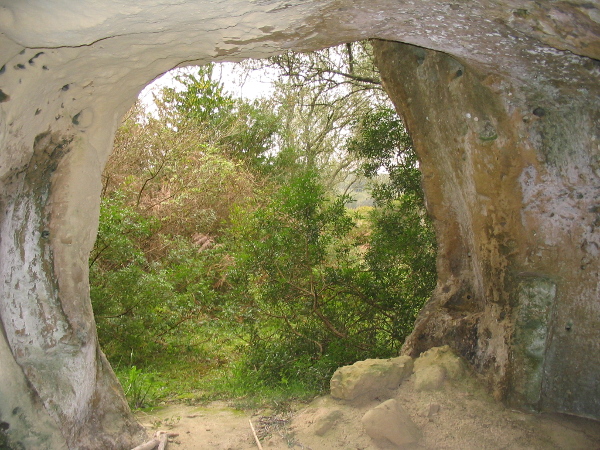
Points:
x=250 y=85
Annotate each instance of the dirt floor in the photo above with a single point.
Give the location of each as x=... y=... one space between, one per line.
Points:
x=461 y=416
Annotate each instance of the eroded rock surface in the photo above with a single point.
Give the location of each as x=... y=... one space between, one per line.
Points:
x=390 y=422
x=512 y=186
x=370 y=378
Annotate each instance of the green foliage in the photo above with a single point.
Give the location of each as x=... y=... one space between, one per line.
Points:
x=384 y=146
x=141 y=389
x=241 y=129
x=202 y=99
x=401 y=260
x=168 y=191
x=144 y=307
x=401 y=255
x=225 y=262
x=317 y=97
x=295 y=284
x=122 y=231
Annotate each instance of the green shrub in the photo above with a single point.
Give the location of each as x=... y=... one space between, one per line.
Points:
x=141 y=388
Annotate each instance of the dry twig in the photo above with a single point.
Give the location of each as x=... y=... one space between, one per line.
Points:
x=255 y=436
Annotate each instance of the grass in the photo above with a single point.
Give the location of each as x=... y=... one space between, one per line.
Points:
x=191 y=383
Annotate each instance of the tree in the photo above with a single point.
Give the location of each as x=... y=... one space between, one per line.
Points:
x=169 y=189
x=291 y=283
x=401 y=254
x=240 y=129
x=317 y=97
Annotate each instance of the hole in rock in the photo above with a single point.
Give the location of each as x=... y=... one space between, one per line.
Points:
x=262 y=224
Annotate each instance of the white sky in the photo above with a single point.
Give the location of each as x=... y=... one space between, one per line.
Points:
x=249 y=85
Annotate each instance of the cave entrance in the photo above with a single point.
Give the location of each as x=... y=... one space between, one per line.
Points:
x=504 y=118
x=239 y=249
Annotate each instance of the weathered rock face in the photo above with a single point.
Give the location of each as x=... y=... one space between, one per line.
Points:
x=371 y=378
x=502 y=99
x=511 y=170
x=390 y=422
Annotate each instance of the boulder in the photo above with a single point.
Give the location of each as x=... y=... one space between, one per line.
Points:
x=436 y=365
x=430 y=378
x=326 y=420
x=443 y=357
x=370 y=378
x=390 y=422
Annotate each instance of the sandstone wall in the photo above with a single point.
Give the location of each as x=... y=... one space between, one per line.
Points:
x=512 y=180
x=505 y=121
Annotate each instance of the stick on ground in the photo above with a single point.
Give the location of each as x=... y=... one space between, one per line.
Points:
x=255 y=436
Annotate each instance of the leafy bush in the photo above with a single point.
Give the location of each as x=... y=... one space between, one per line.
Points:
x=401 y=254
x=144 y=307
x=221 y=256
x=303 y=290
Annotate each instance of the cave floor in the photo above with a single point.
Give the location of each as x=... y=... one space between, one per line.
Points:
x=460 y=416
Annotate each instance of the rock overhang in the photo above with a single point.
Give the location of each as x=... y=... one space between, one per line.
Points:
x=71 y=70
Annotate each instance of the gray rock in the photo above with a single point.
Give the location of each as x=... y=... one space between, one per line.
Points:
x=326 y=421
x=370 y=378
x=430 y=378
x=390 y=422
x=443 y=357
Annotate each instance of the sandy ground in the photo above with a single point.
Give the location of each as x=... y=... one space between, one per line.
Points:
x=461 y=416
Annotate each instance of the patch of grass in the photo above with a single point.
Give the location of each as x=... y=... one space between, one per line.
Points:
x=195 y=381
x=141 y=388
x=184 y=383
x=246 y=392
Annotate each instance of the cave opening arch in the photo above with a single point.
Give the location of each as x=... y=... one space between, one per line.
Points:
x=142 y=181
x=504 y=118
